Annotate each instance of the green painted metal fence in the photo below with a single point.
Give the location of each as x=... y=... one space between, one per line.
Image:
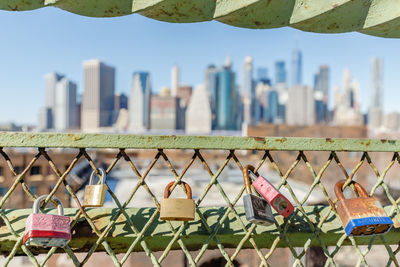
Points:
x=373 y=17
x=123 y=230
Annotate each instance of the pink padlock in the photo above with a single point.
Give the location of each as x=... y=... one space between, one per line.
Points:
x=278 y=201
x=47 y=230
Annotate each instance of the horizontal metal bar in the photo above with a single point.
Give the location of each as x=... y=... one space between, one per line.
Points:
x=65 y=140
x=159 y=235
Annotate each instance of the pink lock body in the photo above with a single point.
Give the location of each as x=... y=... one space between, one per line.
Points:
x=47 y=222
x=278 y=201
x=47 y=230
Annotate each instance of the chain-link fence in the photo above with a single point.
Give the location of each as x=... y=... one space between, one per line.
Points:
x=304 y=169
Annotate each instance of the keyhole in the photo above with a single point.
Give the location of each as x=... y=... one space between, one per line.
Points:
x=370 y=228
x=282 y=205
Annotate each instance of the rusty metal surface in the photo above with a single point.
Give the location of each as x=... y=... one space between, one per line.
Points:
x=373 y=17
x=67 y=140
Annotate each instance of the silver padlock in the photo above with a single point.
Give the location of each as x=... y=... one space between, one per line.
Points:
x=257 y=209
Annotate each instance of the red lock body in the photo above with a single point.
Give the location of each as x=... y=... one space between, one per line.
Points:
x=278 y=201
x=47 y=230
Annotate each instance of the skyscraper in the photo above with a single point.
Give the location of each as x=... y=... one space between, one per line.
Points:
x=198 y=114
x=297 y=67
x=248 y=92
x=139 y=102
x=376 y=82
x=321 y=89
x=98 y=95
x=375 y=109
x=120 y=101
x=280 y=72
x=51 y=80
x=66 y=110
x=262 y=74
x=175 y=77
x=210 y=83
x=226 y=96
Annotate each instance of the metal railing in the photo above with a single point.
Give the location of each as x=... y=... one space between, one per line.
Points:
x=124 y=229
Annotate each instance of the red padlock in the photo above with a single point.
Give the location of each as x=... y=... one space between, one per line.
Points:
x=278 y=201
x=47 y=230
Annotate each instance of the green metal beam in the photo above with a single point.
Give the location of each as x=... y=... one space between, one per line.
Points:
x=195 y=234
x=65 y=140
x=373 y=17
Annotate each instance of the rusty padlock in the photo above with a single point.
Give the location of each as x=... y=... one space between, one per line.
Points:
x=257 y=209
x=47 y=230
x=363 y=215
x=278 y=201
x=177 y=209
x=95 y=193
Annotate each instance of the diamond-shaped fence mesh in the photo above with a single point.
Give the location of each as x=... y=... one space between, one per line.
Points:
x=139 y=167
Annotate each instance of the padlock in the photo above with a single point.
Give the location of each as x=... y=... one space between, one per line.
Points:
x=177 y=209
x=257 y=209
x=278 y=201
x=47 y=230
x=363 y=215
x=95 y=193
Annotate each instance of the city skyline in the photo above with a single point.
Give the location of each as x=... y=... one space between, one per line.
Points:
x=157 y=52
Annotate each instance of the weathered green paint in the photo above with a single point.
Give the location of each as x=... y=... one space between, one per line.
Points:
x=330 y=16
x=194 y=235
x=178 y=11
x=374 y=17
x=65 y=140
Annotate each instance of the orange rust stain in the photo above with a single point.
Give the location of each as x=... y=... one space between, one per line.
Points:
x=329 y=140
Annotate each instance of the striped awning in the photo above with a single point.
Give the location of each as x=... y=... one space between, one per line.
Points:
x=373 y=17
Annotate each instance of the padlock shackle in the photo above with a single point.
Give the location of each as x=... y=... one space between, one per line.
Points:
x=102 y=178
x=246 y=178
x=188 y=189
x=36 y=204
x=339 y=192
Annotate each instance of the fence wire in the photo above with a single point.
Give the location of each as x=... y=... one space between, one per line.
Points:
x=178 y=239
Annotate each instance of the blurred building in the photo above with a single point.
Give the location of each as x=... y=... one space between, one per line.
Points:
x=392 y=121
x=227 y=99
x=375 y=119
x=10 y=127
x=300 y=106
x=139 y=102
x=164 y=110
x=175 y=79
x=211 y=83
x=250 y=104
x=262 y=74
x=66 y=109
x=297 y=68
x=321 y=88
x=280 y=72
x=40 y=178
x=45 y=118
x=51 y=80
x=98 y=96
x=184 y=94
x=198 y=114
x=120 y=101
x=269 y=102
x=346 y=105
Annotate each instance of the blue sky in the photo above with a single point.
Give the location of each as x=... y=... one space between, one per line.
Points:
x=45 y=40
